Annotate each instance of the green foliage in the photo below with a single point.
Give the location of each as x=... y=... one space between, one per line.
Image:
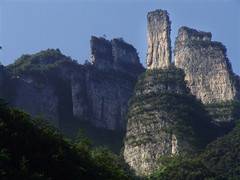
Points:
x=82 y=142
x=39 y=62
x=182 y=168
x=187 y=118
x=223 y=155
x=30 y=149
x=111 y=162
x=95 y=136
x=224 y=110
x=169 y=76
x=220 y=160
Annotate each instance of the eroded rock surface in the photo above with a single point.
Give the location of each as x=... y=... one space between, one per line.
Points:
x=207 y=68
x=115 y=55
x=54 y=86
x=158 y=37
x=163 y=119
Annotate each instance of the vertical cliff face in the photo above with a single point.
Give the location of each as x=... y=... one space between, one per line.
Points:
x=108 y=83
x=2 y=79
x=159 y=43
x=101 y=53
x=208 y=71
x=38 y=100
x=125 y=58
x=163 y=119
x=237 y=85
x=79 y=95
x=115 y=55
x=108 y=96
x=52 y=85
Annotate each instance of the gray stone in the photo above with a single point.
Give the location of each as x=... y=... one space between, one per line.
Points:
x=96 y=93
x=101 y=53
x=158 y=37
x=207 y=68
x=37 y=99
x=163 y=120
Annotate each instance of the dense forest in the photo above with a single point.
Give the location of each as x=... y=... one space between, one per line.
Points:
x=32 y=149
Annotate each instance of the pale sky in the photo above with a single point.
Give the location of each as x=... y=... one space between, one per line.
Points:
x=28 y=26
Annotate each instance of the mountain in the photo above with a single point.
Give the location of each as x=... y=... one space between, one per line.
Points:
x=179 y=108
x=208 y=72
x=173 y=120
x=93 y=96
x=163 y=119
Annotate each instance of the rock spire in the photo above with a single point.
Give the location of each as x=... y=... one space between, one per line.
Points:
x=158 y=37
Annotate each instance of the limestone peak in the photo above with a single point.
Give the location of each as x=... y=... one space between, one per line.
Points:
x=159 y=43
x=115 y=54
x=186 y=33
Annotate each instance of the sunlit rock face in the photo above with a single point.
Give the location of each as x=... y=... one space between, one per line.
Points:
x=207 y=68
x=163 y=119
x=147 y=136
x=158 y=37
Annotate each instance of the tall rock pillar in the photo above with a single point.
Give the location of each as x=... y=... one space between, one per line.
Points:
x=159 y=43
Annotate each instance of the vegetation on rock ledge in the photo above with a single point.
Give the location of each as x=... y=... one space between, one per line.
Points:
x=219 y=161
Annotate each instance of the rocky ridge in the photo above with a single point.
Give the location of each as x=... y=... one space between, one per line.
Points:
x=164 y=119
x=66 y=93
x=167 y=113
x=208 y=71
x=175 y=107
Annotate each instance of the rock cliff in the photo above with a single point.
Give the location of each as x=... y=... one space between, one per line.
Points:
x=166 y=114
x=101 y=53
x=158 y=37
x=108 y=89
x=208 y=71
x=175 y=109
x=115 y=55
x=2 y=78
x=54 y=86
x=164 y=119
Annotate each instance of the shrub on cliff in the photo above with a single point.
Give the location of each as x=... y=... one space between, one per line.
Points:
x=220 y=160
x=39 y=62
x=182 y=168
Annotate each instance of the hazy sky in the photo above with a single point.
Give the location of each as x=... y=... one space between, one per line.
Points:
x=28 y=26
